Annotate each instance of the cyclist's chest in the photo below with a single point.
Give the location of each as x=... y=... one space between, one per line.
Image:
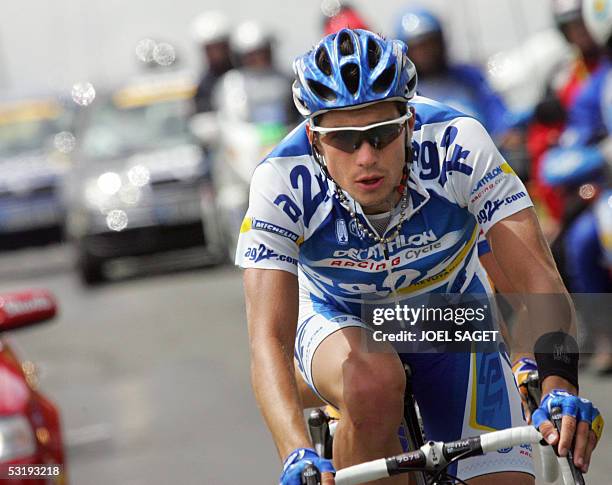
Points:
x=433 y=243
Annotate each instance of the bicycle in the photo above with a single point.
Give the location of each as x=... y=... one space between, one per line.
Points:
x=429 y=461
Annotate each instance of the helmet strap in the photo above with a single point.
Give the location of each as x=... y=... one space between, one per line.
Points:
x=401 y=188
x=320 y=159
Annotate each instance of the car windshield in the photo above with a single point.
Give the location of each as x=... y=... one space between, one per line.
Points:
x=115 y=131
x=29 y=127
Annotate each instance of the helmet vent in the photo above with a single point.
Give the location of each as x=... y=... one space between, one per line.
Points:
x=374 y=53
x=383 y=82
x=350 y=76
x=345 y=43
x=321 y=90
x=323 y=61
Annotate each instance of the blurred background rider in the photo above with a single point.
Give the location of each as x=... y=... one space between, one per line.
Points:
x=265 y=88
x=551 y=112
x=211 y=31
x=348 y=17
x=461 y=86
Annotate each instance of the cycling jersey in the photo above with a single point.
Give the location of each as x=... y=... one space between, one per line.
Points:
x=458 y=181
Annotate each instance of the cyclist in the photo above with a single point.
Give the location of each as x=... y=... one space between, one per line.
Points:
x=339 y=217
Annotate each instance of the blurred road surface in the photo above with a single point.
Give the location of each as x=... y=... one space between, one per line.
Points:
x=152 y=377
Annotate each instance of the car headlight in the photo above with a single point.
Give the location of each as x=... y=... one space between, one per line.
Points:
x=16 y=438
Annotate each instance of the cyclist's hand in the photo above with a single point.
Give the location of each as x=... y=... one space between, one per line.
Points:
x=581 y=424
x=521 y=369
x=298 y=459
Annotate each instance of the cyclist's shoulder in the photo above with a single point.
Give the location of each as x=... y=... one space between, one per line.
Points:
x=442 y=128
x=431 y=112
x=290 y=172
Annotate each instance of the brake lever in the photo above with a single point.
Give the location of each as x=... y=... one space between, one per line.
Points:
x=532 y=386
x=556 y=418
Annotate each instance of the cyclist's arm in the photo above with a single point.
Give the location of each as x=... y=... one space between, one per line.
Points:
x=272 y=312
x=488 y=187
x=496 y=197
x=525 y=258
x=507 y=292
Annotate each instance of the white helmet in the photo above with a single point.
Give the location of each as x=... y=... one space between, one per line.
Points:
x=210 y=27
x=248 y=37
x=598 y=18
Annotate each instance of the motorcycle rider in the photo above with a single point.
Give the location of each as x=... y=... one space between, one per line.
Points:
x=211 y=31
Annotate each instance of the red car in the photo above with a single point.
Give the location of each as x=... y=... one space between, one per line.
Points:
x=30 y=431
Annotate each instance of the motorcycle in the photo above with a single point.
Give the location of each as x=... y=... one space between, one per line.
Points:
x=31 y=443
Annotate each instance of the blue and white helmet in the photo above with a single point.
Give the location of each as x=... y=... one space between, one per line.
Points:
x=352 y=68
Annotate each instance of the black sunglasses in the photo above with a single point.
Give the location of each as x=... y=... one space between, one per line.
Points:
x=349 y=139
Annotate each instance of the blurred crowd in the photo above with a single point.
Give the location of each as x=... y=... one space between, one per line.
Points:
x=242 y=106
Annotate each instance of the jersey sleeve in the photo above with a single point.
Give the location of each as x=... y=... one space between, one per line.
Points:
x=272 y=230
x=479 y=177
x=483 y=244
